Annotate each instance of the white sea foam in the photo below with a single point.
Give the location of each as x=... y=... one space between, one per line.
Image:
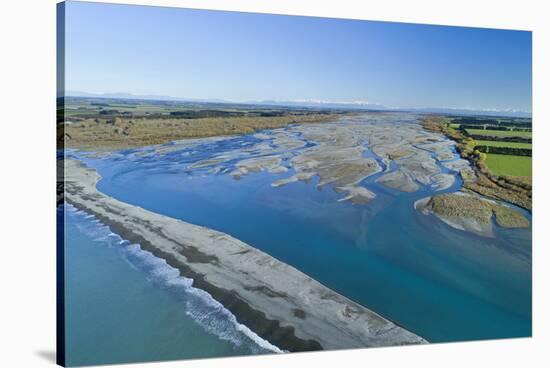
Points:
x=199 y=305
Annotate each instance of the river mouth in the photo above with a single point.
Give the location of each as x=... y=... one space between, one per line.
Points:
x=441 y=283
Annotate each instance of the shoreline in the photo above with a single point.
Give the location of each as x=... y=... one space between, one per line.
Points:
x=276 y=301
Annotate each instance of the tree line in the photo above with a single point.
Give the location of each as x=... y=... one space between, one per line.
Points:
x=505 y=150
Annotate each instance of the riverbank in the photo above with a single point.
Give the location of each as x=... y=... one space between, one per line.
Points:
x=278 y=302
x=514 y=190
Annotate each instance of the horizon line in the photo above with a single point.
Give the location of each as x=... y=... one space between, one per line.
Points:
x=304 y=102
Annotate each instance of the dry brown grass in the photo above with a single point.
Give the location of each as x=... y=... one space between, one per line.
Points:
x=126 y=133
x=482 y=211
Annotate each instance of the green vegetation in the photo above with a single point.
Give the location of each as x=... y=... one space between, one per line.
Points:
x=507 y=165
x=505 y=150
x=499 y=133
x=504 y=144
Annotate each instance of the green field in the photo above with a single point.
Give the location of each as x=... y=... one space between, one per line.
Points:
x=507 y=165
x=499 y=133
x=504 y=144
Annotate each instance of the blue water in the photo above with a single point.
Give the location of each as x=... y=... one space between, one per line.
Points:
x=441 y=283
x=125 y=305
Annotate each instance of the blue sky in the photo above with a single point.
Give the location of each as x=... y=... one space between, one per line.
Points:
x=243 y=57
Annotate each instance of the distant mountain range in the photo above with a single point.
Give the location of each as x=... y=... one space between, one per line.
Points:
x=355 y=105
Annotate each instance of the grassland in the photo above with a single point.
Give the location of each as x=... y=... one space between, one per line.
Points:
x=508 y=165
x=504 y=144
x=500 y=133
x=125 y=133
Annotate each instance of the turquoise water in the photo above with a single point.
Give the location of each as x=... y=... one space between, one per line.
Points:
x=125 y=305
x=441 y=283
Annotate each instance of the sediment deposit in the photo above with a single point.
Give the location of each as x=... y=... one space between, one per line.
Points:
x=470 y=212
